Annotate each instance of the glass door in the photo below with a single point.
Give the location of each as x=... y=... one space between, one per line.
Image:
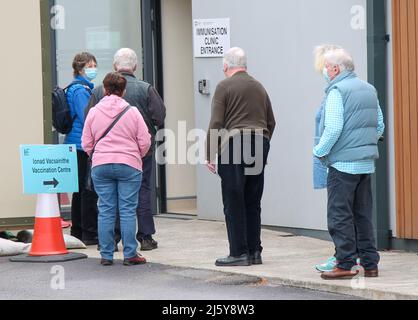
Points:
x=100 y=27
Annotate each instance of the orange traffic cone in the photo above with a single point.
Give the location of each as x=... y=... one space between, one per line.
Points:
x=48 y=242
x=47 y=238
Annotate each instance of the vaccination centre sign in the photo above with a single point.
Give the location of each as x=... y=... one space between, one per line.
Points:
x=49 y=168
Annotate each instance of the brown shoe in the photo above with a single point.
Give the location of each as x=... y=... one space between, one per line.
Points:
x=374 y=273
x=138 y=259
x=339 y=274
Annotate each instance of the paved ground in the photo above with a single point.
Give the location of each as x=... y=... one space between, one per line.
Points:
x=86 y=279
x=287 y=260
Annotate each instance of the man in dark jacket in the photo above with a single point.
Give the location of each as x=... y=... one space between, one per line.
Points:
x=143 y=96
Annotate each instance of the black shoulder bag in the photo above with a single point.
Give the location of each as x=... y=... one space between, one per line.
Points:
x=89 y=182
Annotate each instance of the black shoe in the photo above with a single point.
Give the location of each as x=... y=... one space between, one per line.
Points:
x=243 y=260
x=91 y=242
x=255 y=258
x=106 y=263
x=155 y=243
x=148 y=244
x=75 y=233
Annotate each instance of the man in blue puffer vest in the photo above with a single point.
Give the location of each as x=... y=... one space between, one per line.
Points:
x=84 y=203
x=351 y=125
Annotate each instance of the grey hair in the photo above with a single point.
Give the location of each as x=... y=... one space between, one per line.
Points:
x=341 y=58
x=125 y=60
x=235 y=58
x=319 y=53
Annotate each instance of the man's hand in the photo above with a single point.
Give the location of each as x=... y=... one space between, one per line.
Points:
x=211 y=166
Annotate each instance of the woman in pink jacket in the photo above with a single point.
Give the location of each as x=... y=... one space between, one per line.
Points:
x=116 y=166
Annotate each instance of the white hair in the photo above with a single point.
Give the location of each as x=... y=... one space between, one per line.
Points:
x=319 y=53
x=125 y=60
x=235 y=58
x=341 y=58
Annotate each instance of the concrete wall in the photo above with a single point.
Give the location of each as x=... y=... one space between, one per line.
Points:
x=178 y=87
x=22 y=114
x=279 y=37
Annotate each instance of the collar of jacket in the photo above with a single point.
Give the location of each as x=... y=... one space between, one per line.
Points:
x=85 y=81
x=128 y=75
x=342 y=76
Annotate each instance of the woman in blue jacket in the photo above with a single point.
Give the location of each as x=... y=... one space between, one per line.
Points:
x=84 y=203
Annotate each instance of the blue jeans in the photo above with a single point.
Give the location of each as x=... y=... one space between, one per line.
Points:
x=117 y=186
x=146 y=226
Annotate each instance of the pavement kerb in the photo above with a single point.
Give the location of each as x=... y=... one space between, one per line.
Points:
x=326 y=286
x=369 y=294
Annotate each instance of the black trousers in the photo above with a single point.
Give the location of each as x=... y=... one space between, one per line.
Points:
x=242 y=192
x=146 y=226
x=350 y=209
x=84 y=209
x=145 y=218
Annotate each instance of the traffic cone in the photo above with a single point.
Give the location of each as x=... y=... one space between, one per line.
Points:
x=47 y=238
x=48 y=241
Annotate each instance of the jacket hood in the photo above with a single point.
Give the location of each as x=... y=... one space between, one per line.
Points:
x=112 y=106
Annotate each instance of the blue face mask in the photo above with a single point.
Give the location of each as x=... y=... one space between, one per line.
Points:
x=91 y=73
x=326 y=76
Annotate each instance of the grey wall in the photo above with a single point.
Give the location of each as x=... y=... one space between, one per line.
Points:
x=279 y=37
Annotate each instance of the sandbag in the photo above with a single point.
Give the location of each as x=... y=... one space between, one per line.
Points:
x=70 y=241
x=11 y=248
x=73 y=243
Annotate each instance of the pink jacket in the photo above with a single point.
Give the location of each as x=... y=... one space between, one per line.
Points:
x=127 y=143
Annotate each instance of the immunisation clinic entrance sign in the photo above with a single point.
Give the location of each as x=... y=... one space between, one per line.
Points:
x=49 y=168
x=212 y=37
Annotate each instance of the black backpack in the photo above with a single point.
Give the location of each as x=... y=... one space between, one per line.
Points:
x=61 y=114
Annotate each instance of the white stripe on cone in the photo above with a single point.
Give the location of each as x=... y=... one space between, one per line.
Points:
x=47 y=206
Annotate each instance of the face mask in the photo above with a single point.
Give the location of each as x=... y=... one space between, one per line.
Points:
x=91 y=73
x=326 y=76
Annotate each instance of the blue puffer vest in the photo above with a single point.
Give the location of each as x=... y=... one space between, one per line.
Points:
x=359 y=138
x=77 y=107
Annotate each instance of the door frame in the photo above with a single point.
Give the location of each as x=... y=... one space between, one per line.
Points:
x=152 y=71
x=377 y=42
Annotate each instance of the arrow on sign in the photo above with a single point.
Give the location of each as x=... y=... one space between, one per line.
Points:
x=51 y=183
